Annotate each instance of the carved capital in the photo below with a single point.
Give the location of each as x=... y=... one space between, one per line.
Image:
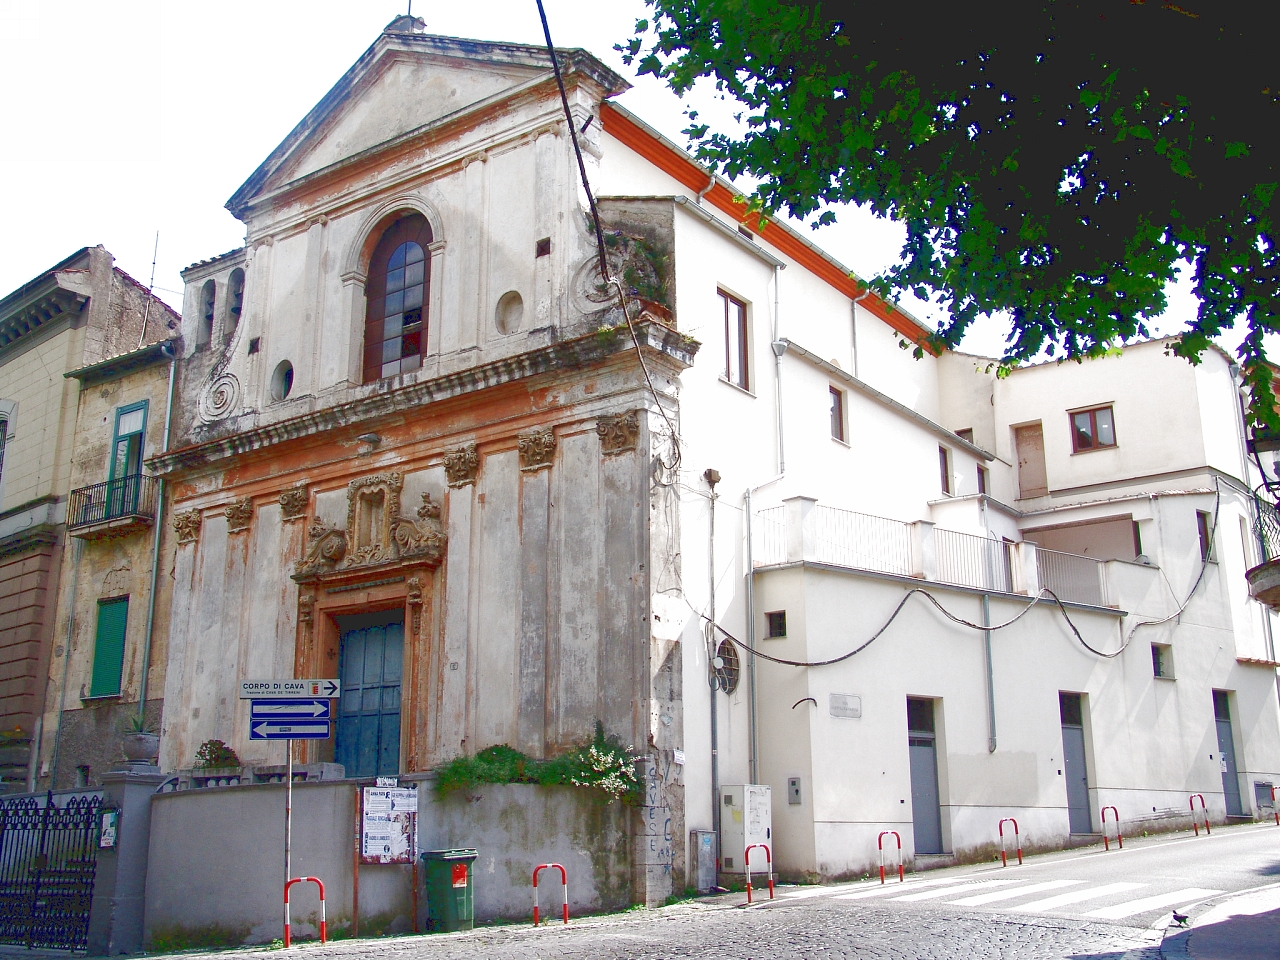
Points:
x=239 y=514
x=306 y=607
x=537 y=450
x=187 y=526
x=293 y=503
x=462 y=466
x=619 y=433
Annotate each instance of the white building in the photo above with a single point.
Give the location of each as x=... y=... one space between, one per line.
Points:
x=561 y=567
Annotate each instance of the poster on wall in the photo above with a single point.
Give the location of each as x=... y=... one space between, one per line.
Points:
x=387 y=825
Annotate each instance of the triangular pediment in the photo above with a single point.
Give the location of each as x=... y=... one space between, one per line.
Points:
x=406 y=81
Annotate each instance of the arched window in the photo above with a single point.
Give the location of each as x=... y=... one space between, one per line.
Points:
x=395 y=327
x=235 y=301
x=204 y=332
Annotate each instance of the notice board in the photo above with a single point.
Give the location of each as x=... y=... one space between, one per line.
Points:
x=388 y=825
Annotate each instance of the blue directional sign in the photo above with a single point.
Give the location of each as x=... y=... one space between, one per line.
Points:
x=307 y=709
x=289 y=730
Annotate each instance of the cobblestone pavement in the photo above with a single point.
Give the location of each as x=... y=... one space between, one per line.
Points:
x=817 y=929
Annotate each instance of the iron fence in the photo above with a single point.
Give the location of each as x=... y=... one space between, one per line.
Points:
x=133 y=496
x=1072 y=577
x=849 y=539
x=769 y=538
x=48 y=857
x=973 y=561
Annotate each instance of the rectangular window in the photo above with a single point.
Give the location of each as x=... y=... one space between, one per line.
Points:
x=944 y=464
x=1137 y=539
x=108 y=647
x=1092 y=429
x=1162 y=660
x=837 y=414
x=777 y=623
x=1204 y=526
x=735 y=341
x=966 y=434
x=982 y=479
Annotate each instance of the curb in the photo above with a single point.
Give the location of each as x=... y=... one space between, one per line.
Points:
x=1176 y=947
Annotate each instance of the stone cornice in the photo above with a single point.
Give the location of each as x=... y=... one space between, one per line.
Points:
x=655 y=339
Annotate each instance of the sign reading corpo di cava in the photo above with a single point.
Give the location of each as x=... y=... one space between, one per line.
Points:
x=289 y=689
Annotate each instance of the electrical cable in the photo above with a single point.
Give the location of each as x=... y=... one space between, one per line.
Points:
x=673 y=465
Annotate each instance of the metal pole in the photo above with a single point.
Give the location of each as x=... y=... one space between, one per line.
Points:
x=986 y=634
x=711 y=673
x=155 y=546
x=754 y=752
x=288 y=821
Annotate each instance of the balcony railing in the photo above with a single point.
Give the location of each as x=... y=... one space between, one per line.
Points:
x=973 y=561
x=1072 y=577
x=1267 y=529
x=802 y=530
x=114 y=507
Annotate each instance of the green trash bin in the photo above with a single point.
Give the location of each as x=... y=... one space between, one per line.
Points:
x=447 y=873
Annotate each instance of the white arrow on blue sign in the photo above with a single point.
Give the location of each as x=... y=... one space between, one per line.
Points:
x=289 y=710
x=289 y=730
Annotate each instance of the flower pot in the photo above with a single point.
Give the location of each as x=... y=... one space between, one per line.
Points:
x=141 y=747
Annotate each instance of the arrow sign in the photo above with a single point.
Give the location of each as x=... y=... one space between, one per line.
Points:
x=289 y=730
x=289 y=689
x=289 y=710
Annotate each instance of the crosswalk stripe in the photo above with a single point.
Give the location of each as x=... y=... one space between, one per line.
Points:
x=891 y=888
x=813 y=892
x=1129 y=908
x=1011 y=894
x=1075 y=896
x=953 y=890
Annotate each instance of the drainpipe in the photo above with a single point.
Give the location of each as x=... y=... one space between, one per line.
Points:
x=713 y=477
x=853 y=321
x=711 y=182
x=779 y=348
x=986 y=639
x=155 y=547
x=754 y=753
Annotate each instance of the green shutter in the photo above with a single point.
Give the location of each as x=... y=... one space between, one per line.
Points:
x=108 y=647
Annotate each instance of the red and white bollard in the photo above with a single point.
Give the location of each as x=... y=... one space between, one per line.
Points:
x=768 y=859
x=1194 y=823
x=1106 y=839
x=1004 y=859
x=316 y=880
x=564 y=880
x=902 y=875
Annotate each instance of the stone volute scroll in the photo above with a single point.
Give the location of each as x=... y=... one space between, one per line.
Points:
x=462 y=466
x=537 y=450
x=375 y=535
x=187 y=526
x=619 y=433
x=239 y=514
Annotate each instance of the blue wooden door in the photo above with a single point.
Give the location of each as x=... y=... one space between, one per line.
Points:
x=368 y=743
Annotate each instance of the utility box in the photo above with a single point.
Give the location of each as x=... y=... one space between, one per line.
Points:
x=703 y=843
x=746 y=817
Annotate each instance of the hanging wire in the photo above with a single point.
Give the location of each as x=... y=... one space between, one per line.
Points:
x=673 y=464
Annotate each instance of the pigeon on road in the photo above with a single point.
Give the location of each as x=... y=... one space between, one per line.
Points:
x=1180 y=918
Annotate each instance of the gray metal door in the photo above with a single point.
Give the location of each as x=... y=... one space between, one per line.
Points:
x=1227 y=751
x=1073 y=763
x=926 y=810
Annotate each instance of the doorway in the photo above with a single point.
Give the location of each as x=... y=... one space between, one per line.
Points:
x=1033 y=480
x=922 y=747
x=1227 y=752
x=1071 y=708
x=371 y=664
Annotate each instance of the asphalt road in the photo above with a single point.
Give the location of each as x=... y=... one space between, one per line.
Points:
x=1087 y=904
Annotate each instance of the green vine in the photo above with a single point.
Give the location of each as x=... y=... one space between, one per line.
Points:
x=603 y=764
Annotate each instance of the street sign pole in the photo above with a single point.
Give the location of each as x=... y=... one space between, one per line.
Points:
x=288 y=822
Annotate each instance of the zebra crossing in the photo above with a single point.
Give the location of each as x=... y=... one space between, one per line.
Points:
x=1075 y=897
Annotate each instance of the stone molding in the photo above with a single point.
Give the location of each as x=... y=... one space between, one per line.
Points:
x=187 y=526
x=293 y=503
x=239 y=514
x=537 y=450
x=376 y=535
x=619 y=433
x=658 y=340
x=462 y=466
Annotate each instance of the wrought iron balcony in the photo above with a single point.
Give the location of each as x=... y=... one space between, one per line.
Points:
x=115 y=508
x=1264 y=579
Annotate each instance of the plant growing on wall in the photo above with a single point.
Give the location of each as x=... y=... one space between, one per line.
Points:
x=602 y=764
x=215 y=753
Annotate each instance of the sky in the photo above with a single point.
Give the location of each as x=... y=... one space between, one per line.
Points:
x=133 y=117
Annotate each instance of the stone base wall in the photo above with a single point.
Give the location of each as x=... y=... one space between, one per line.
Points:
x=28 y=587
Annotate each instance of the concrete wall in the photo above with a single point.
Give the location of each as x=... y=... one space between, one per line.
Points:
x=216 y=860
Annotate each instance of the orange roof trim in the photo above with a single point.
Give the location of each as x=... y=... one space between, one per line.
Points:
x=671 y=160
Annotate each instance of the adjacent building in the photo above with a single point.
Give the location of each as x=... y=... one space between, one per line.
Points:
x=78 y=314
